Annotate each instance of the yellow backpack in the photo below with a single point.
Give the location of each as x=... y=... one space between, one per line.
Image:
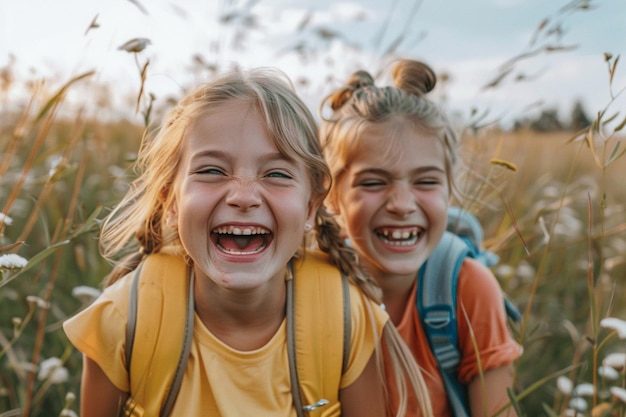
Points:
x=160 y=328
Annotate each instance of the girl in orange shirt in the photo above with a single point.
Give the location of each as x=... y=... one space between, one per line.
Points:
x=391 y=152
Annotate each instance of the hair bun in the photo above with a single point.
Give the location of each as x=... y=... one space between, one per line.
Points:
x=414 y=77
x=360 y=79
x=356 y=81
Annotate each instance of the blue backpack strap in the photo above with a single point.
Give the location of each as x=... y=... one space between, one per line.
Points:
x=436 y=304
x=467 y=227
x=437 y=297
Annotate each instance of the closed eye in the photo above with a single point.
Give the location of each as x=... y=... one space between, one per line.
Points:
x=278 y=174
x=371 y=183
x=210 y=171
x=428 y=182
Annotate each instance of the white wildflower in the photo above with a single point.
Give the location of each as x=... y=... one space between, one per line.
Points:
x=616 y=361
x=544 y=230
x=619 y=393
x=525 y=271
x=616 y=324
x=569 y=224
x=584 y=389
x=60 y=375
x=47 y=365
x=56 y=167
x=578 y=403
x=66 y=412
x=565 y=385
x=37 y=301
x=85 y=294
x=608 y=372
x=135 y=45
x=70 y=397
x=52 y=369
x=6 y=219
x=505 y=271
x=12 y=261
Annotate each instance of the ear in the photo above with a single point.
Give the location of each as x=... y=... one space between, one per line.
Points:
x=314 y=205
x=171 y=215
x=331 y=204
x=170 y=208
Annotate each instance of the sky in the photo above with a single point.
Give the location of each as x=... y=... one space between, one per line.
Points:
x=318 y=43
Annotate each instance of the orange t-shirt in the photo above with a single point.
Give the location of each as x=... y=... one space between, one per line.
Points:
x=479 y=297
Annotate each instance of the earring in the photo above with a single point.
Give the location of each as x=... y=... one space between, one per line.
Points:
x=308 y=227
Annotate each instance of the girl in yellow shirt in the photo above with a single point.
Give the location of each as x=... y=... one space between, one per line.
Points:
x=232 y=183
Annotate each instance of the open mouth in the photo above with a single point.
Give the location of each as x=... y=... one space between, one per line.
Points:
x=399 y=236
x=241 y=240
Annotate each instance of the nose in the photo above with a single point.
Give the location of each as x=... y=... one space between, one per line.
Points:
x=244 y=194
x=401 y=200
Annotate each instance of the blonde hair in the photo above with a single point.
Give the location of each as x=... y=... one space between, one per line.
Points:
x=137 y=227
x=360 y=103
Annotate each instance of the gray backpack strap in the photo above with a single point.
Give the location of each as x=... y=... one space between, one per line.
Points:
x=347 y=322
x=436 y=303
x=187 y=338
x=132 y=317
x=291 y=348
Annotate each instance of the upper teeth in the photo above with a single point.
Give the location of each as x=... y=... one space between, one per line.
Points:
x=399 y=234
x=243 y=231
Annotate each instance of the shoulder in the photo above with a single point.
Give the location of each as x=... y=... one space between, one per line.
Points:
x=112 y=303
x=479 y=292
x=362 y=306
x=116 y=295
x=314 y=273
x=474 y=274
x=99 y=331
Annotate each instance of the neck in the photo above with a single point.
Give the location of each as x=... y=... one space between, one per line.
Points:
x=243 y=319
x=396 y=293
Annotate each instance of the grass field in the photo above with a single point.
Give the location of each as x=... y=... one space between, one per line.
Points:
x=552 y=205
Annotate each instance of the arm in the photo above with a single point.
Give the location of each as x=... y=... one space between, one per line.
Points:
x=99 y=397
x=365 y=396
x=488 y=394
x=484 y=333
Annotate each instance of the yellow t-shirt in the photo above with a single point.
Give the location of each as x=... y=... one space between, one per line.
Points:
x=218 y=380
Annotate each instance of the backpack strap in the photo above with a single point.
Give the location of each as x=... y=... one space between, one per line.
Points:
x=467 y=227
x=437 y=297
x=437 y=306
x=317 y=295
x=147 y=311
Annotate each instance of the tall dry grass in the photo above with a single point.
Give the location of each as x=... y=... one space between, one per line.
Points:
x=554 y=212
x=552 y=206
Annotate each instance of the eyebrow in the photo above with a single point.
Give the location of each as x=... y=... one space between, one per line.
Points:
x=217 y=154
x=419 y=170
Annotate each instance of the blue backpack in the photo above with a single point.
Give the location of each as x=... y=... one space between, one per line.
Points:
x=437 y=296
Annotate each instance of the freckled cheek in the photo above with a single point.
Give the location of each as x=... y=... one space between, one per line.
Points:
x=357 y=217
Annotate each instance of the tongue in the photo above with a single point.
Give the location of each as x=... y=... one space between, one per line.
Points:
x=241 y=243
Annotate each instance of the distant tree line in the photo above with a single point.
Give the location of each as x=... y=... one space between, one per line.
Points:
x=548 y=120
